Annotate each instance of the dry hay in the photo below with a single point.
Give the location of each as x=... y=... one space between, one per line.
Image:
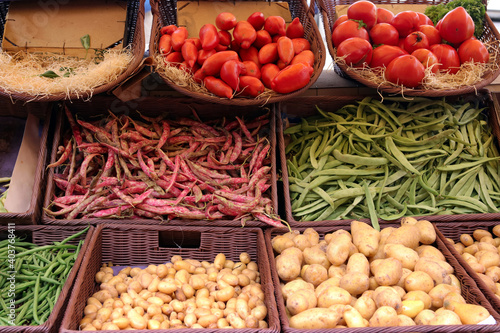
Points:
x=21 y=73
x=184 y=79
x=468 y=75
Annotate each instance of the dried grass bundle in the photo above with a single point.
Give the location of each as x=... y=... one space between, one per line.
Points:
x=21 y=73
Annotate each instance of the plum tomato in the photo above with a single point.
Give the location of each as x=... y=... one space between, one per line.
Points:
x=384 y=54
x=416 y=40
x=473 y=50
x=405 y=22
x=363 y=10
x=447 y=57
x=349 y=29
x=427 y=58
x=405 y=70
x=384 y=33
x=225 y=21
x=356 y=51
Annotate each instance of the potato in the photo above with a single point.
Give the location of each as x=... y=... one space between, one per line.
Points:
x=287 y=266
x=455 y=282
x=337 y=251
x=459 y=247
x=488 y=282
x=300 y=301
x=429 y=251
x=438 y=274
x=365 y=237
x=333 y=295
x=291 y=234
x=404 y=275
x=387 y=296
x=493 y=273
x=315 y=274
x=295 y=285
x=408 y=220
x=424 y=317
x=280 y=242
x=479 y=233
x=353 y=318
x=358 y=263
x=312 y=236
x=315 y=318
x=472 y=249
x=489 y=240
x=483 y=246
x=439 y=292
x=445 y=317
x=489 y=259
x=419 y=295
x=405 y=321
x=301 y=242
x=337 y=233
x=470 y=314
x=331 y=282
x=496 y=230
x=427 y=232
x=366 y=306
x=407 y=256
x=337 y=270
x=388 y=272
x=355 y=283
x=419 y=280
x=384 y=233
x=294 y=252
x=384 y=316
x=407 y=235
x=314 y=255
x=453 y=296
x=412 y=308
x=466 y=239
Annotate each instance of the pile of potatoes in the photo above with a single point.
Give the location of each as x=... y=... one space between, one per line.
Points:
x=183 y=293
x=481 y=251
x=368 y=278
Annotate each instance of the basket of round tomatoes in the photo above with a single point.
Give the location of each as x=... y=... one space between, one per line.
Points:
x=423 y=49
x=238 y=59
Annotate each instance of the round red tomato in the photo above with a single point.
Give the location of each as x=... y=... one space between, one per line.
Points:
x=384 y=15
x=405 y=70
x=384 y=33
x=473 y=50
x=416 y=40
x=363 y=10
x=384 y=54
x=341 y=19
x=356 y=51
x=348 y=29
x=424 y=19
x=431 y=32
x=457 y=26
x=405 y=22
x=427 y=58
x=225 y=21
x=447 y=57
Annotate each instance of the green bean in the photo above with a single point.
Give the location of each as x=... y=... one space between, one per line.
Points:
x=371 y=207
x=466 y=165
x=359 y=160
x=35 y=300
x=391 y=146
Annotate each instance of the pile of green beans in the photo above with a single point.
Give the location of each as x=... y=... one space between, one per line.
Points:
x=40 y=273
x=395 y=158
x=4 y=181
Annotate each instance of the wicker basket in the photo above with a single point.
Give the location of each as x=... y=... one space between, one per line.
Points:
x=164 y=13
x=328 y=14
x=470 y=292
x=297 y=108
x=42 y=111
x=175 y=108
x=156 y=245
x=133 y=37
x=46 y=235
x=453 y=230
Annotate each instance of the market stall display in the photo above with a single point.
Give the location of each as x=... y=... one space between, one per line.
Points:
x=423 y=61
x=251 y=40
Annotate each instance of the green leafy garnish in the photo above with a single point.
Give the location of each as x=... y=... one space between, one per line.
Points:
x=85 y=43
x=49 y=74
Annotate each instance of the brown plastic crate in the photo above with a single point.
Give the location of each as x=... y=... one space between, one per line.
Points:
x=470 y=292
x=306 y=106
x=172 y=108
x=46 y=235
x=133 y=38
x=19 y=113
x=165 y=13
x=156 y=245
x=328 y=15
x=453 y=230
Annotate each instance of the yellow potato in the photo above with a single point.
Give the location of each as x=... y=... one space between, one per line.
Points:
x=358 y=263
x=353 y=318
x=280 y=242
x=337 y=270
x=479 y=233
x=412 y=308
x=324 y=286
x=384 y=316
x=408 y=220
x=466 y=239
x=489 y=259
x=315 y=274
x=291 y=287
x=315 y=318
x=419 y=295
x=408 y=235
x=388 y=272
x=333 y=295
x=419 y=280
x=384 y=233
x=470 y=314
x=407 y=256
x=302 y=242
x=427 y=232
x=404 y=275
x=312 y=236
x=489 y=282
x=445 y=317
x=455 y=282
x=366 y=306
x=453 y=297
x=314 y=255
x=493 y=273
x=365 y=237
x=355 y=283
x=405 y=321
x=337 y=251
x=300 y=301
x=459 y=247
x=287 y=266
x=387 y=296
x=439 y=292
x=430 y=251
x=424 y=317
x=432 y=267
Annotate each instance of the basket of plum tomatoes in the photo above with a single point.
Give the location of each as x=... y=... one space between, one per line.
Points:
x=420 y=49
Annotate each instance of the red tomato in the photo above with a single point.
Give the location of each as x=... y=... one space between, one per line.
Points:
x=225 y=21
x=348 y=29
x=447 y=57
x=438 y=25
x=300 y=44
x=285 y=50
x=213 y=64
x=204 y=54
x=341 y=19
x=198 y=76
x=174 y=57
x=295 y=29
x=263 y=38
x=405 y=70
x=230 y=73
x=384 y=54
x=427 y=58
x=384 y=33
x=251 y=69
x=306 y=57
x=244 y=34
x=357 y=51
x=189 y=53
x=384 y=15
x=165 y=44
x=221 y=47
x=257 y=20
x=209 y=36
x=168 y=29
x=292 y=78
x=431 y=32
x=251 y=86
x=268 y=53
x=268 y=73
x=473 y=50
x=224 y=38
x=250 y=54
x=457 y=26
x=424 y=19
x=178 y=38
x=196 y=41
x=405 y=22
x=275 y=25
x=416 y=40
x=363 y=10
x=218 y=87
